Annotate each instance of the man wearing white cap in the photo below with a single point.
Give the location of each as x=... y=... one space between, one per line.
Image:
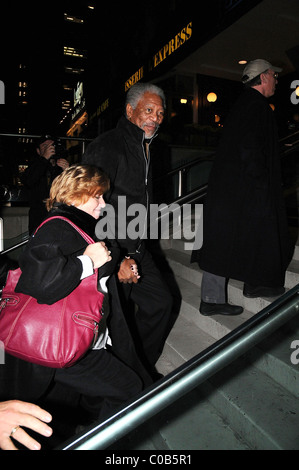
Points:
x=245 y=226
x=252 y=76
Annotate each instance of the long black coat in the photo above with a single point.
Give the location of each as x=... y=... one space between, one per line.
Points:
x=50 y=271
x=120 y=153
x=245 y=231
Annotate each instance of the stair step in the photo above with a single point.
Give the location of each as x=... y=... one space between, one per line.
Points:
x=193 y=424
x=193 y=332
x=250 y=401
x=257 y=395
x=273 y=357
x=186 y=246
x=190 y=423
x=217 y=325
x=183 y=343
x=179 y=261
x=257 y=408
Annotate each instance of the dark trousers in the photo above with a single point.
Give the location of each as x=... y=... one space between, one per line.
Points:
x=149 y=323
x=104 y=381
x=213 y=288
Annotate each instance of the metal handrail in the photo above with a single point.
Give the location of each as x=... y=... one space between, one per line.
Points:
x=188 y=376
x=187 y=166
x=34 y=136
x=14 y=247
x=289 y=136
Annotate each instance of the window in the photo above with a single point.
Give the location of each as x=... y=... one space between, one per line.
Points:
x=66 y=104
x=73 y=70
x=73 y=19
x=73 y=52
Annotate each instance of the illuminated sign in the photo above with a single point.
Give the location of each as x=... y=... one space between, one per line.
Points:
x=103 y=107
x=78 y=94
x=134 y=79
x=100 y=109
x=172 y=45
x=76 y=126
x=79 y=100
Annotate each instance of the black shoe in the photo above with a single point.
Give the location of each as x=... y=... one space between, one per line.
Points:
x=208 y=309
x=259 y=291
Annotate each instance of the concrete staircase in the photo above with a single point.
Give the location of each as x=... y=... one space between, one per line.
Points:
x=251 y=404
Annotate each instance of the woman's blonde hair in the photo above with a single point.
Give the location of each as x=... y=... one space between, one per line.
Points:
x=76 y=184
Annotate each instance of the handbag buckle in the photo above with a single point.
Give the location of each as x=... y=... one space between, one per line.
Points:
x=3 y=304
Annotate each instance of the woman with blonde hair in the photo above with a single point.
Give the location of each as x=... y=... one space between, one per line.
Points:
x=53 y=263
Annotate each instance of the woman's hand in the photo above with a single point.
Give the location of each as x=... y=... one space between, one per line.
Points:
x=98 y=253
x=13 y=415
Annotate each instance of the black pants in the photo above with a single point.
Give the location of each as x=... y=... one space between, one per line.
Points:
x=213 y=288
x=104 y=380
x=149 y=324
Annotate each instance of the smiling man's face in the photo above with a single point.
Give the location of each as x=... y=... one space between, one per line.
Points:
x=148 y=114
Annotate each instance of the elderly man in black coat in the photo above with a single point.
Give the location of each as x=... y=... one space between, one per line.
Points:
x=245 y=226
x=126 y=154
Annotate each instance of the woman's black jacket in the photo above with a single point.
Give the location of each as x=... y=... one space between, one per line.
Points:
x=50 y=271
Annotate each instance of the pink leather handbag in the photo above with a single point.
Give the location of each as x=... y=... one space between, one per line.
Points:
x=56 y=335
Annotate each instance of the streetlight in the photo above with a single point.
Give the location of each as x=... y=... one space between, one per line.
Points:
x=212 y=97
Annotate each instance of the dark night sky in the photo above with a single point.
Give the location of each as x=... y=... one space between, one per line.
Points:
x=116 y=40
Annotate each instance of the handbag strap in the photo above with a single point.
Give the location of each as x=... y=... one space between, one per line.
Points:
x=83 y=234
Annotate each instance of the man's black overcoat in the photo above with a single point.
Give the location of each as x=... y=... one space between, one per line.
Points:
x=245 y=231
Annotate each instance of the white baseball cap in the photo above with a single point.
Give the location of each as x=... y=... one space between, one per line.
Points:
x=254 y=68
